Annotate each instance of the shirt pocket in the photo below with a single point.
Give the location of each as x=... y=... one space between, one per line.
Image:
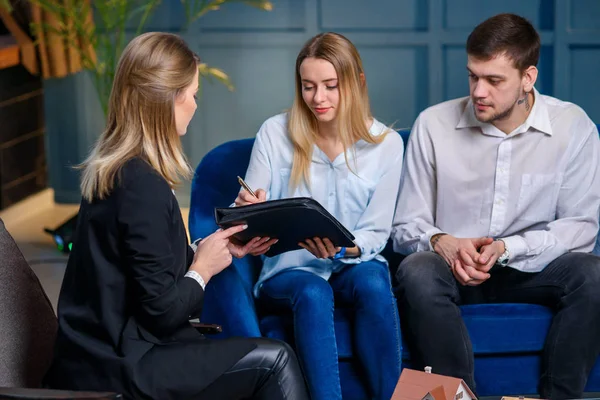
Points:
x=285 y=175
x=357 y=194
x=538 y=197
x=284 y=182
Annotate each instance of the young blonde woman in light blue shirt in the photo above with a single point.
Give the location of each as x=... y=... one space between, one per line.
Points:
x=330 y=148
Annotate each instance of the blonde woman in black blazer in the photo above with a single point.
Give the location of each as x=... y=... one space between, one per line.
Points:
x=132 y=281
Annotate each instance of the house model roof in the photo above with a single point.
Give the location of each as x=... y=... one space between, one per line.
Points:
x=415 y=385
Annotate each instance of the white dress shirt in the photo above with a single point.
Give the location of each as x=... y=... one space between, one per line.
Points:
x=363 y=203
x=537 y=188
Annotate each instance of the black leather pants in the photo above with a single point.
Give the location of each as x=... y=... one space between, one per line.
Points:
x=269 y=372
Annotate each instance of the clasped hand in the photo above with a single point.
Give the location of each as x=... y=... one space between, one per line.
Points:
x=470 y=259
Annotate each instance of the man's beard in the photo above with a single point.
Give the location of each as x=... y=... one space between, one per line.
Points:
x=499 y=115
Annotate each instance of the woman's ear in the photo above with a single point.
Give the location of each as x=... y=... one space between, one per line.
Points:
x=180 y=97
x=363 y=80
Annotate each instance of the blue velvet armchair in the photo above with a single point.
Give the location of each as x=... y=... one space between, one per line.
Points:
x=507 y=338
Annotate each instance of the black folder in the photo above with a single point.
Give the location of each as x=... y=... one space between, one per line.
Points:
x=289 y=220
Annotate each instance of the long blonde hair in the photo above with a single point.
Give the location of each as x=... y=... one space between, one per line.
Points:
x=153 y=70
x=353 y=110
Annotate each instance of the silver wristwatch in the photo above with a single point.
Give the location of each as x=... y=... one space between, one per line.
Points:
x=503 y=259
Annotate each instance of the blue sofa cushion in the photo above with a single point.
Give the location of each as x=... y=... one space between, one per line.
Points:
x=495 y=329
x=506 y=328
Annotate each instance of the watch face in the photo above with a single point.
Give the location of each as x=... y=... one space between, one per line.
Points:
x=503 y=259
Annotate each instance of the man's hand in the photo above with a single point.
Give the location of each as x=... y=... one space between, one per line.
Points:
x=450 y=247
x=489 y=254
x=463 y=256
x=256 y=246
x=467 y=275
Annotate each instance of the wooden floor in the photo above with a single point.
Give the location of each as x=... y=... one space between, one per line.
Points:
x=26 y=221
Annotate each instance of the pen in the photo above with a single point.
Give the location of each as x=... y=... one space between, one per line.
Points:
x=246 y=187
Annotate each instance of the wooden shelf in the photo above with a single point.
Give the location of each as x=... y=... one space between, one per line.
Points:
x=9 y=51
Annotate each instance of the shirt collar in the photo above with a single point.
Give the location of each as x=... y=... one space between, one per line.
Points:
x=319 y=155
x=538 y=119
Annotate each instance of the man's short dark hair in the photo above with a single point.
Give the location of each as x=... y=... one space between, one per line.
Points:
x=507 y=34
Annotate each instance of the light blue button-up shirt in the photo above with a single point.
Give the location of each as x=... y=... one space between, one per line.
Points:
x=364 y=203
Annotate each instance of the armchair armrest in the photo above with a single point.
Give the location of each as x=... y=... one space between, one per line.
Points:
x=42 y=394
x=207 y=329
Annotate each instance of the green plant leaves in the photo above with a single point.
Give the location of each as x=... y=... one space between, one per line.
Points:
x=100 y=44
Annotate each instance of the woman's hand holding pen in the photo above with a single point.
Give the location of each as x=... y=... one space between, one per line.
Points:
x=245 y=198
x=257 y=246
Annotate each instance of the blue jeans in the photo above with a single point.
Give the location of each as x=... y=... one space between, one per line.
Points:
x=367 y=288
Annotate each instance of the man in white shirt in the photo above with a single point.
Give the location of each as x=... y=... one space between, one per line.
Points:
x=499 y=202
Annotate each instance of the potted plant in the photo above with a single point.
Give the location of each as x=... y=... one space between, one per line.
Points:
x=99 y=39
x=95 y=32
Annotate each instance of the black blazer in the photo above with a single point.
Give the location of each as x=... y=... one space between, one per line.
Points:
x=124 y=304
